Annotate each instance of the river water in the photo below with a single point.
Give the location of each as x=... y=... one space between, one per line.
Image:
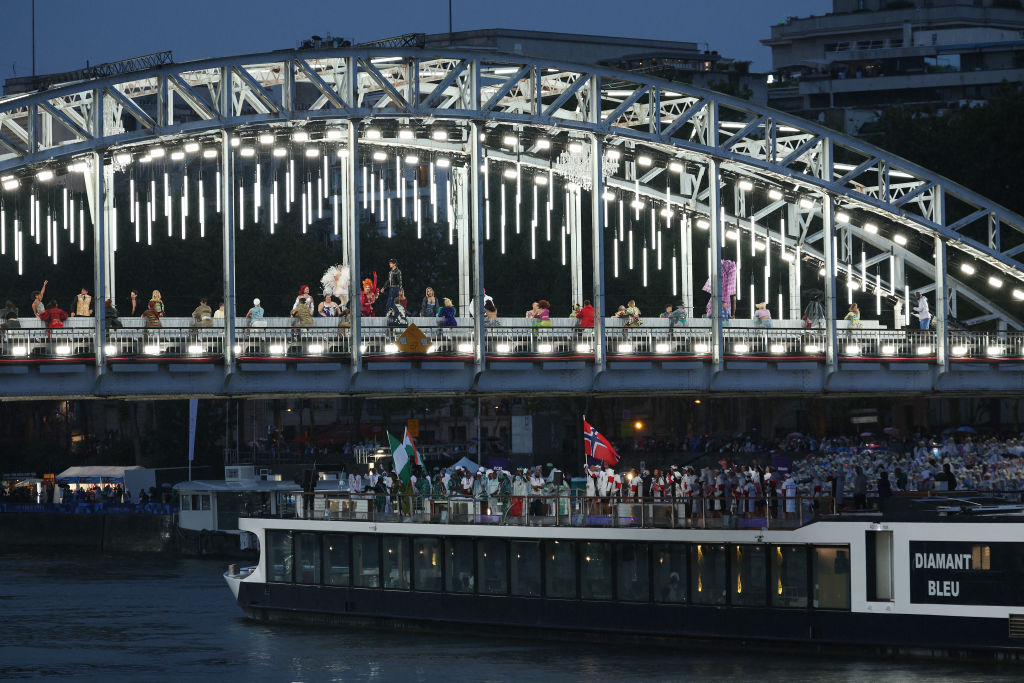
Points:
x=158 y=619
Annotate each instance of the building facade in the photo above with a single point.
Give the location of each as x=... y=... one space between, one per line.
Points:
x=865 y=55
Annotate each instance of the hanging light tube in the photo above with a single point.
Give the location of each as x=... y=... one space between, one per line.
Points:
x=660 y=247
x=71 y=220
x=519 y=196
x=643 y=255
x=303 y=213
x=168 y=207
x=202 y=209
x=503 y=217
x=241 y=210
x=291 y=180
x=675 y=278
x=365 y=186
x=615 y=256
x=326 y=177
x=3 y=232
x=630 y=249
x=81 y=229
x=622 y=222
x=149 y=222
x=416 y=209
x=863 y=271
x=388 y=209
x=878 y=292
x=400 y=183
x=257 y=195
x=433 y=193
x=335 y=213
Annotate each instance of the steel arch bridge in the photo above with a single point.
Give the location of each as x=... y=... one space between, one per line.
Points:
x=661 y=156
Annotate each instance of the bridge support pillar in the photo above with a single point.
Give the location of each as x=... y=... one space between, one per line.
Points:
x=716 y=233
x=463 y=233
x=597 y=237
x=351 y=242
x=477 y=222
x=828 y=220
x=574 y=222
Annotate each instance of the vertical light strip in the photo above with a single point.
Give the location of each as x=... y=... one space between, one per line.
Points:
x=335 y=213
x=660 y=246
x=71 y=220
x=503 y=217
x=291 y=181
x=149 y=222
x=257 y=195
x=433 y=193
x=326 y=177
x=615 y=256
x=366 y=193
x=622 y=221
x=400 y=183
x=241 y=210
x=168 y=209
x=780 y=314
x=878 y=292
x=3 y=232
x=643 y=255
x=202 y=209
x=81 y=229
x=519 y=196
x=303 y=213
x=863 y=271
x=319 y=198
x=675 y=278
x=631 y=248
x=416 y=205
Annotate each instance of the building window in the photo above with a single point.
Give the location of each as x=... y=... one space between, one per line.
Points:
x=559 y=569
x=789 y=576
x=492 y=563
x=426 y=564
x=707 y=572
x=307 y=558
x=366 y=561
x=396 y=563
x=458 y=557
x=279 y=556
x=337 y=560
x=669 y=572
x=831 y=577
x=596 y=571
x=749 y=575
x=634 y=583
x=525 y=561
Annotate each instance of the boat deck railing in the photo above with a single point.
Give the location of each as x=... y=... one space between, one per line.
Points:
x=556 y=510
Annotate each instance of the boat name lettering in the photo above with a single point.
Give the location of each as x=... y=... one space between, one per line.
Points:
x=942 y=561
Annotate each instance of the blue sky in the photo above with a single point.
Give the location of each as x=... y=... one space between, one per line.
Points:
x=71 y=32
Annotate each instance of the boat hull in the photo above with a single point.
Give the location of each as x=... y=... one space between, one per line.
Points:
x=542 y=617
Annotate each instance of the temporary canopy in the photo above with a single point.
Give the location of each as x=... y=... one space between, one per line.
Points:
x=95 y=474
x=467 y=464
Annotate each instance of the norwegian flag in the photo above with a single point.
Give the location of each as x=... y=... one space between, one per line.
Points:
x=598 y=449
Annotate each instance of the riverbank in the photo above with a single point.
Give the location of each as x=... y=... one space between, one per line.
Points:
x=115 y=534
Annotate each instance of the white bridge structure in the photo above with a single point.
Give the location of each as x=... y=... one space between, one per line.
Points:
x=625 y=170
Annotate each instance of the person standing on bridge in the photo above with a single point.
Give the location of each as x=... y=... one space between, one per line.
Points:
x=394 y=285
x=37 y=300
x=921 y=310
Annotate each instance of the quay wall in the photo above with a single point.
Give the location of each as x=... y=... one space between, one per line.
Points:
x=113 y=534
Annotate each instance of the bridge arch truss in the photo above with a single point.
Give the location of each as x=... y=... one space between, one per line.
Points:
x=680 y=159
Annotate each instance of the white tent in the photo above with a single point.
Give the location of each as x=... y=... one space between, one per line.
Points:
x=95 y=474
x=467 y=464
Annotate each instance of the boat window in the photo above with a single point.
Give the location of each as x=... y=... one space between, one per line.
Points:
x=596 y=571
x=337 y=560
x=749 y=576
x=669 y=572
x=396 y=562
x=789 y=576
x=707 y=572
x=492 y=564
x=307 y=558
x=525 y=561
x=634 y=584
x=559 y=569
x=426 y=563
x=186 y=503
x=831 y=578
x=458 y=557
x=366 y=561
x=279 y=556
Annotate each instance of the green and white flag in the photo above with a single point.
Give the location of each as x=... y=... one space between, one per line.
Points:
x=400 y=455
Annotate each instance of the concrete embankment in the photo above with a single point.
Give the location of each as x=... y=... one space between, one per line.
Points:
x=114 y=534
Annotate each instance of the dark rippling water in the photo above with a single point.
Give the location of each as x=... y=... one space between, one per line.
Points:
x=152 y=619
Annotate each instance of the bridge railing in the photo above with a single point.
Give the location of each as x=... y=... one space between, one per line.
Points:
x=507 y=338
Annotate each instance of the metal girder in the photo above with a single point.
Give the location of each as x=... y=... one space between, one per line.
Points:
x=192 y=98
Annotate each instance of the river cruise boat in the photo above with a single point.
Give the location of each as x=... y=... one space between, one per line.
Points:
x=929 y=576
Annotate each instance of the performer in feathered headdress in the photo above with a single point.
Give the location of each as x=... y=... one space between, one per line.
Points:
x=335 y=282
